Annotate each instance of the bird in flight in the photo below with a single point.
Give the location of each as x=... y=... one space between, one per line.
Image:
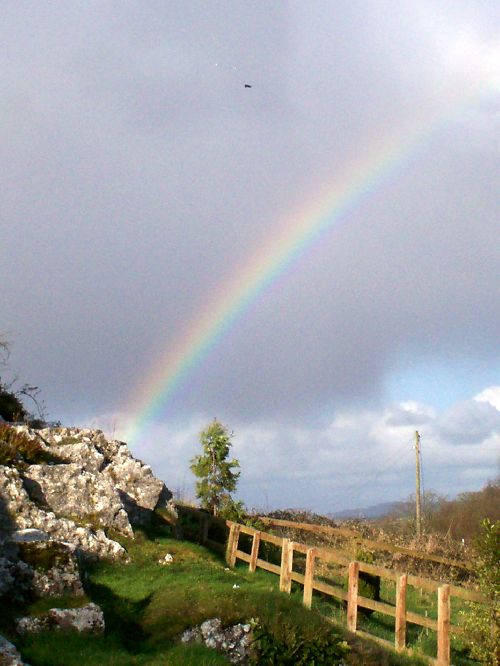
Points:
x=247 y=85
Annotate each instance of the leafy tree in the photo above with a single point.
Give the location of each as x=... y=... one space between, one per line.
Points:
x=218 y=476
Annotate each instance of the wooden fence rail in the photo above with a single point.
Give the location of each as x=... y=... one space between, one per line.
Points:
x=362 y=541
x=442 y=626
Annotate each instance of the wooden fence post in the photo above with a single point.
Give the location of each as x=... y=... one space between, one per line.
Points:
x=286 y=566
x=352 y=596
x=232 y=543
x=255 y=552
x=309 y=576
x=400 y=628
x=443 y=626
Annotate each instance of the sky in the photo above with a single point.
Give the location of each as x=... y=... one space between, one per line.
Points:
x=312 y=260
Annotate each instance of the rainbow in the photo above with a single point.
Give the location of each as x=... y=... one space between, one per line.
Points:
x=298 y=232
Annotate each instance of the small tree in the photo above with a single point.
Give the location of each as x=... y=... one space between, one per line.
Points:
x=217 y=475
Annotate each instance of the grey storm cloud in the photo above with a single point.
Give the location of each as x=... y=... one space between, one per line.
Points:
x=469 y=422
x=138 y=175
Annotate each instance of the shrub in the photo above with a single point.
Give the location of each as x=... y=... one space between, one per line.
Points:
x=11 y=408
x=290 y=647
x=482 y=622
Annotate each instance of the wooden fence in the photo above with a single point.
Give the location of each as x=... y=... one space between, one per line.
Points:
x=354 y=600
x=359 y=540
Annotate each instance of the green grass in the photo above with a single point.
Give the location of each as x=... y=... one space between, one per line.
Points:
x=147 y=606
x=382 y=626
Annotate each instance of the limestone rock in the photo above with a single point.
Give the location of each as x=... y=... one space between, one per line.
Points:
x=88 y=619
x=55 y=568
x=111 y=460
x=90 y=483
x=139 y=489
x=19 y=512
x=235 y=641
x=68 y=489
x=9 y=656
x=84 y=454
x=38 y=568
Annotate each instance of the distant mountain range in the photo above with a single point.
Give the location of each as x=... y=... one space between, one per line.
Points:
x=375 y=511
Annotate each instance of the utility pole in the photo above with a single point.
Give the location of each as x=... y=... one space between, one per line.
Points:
x=418 y=507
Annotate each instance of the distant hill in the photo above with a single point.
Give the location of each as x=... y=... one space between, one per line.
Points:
x=375 y=511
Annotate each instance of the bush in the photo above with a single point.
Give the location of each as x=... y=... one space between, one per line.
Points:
x=11 y=408
x=290 y=647
x=482 y=622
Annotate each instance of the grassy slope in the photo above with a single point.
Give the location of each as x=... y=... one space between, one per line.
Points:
x=146 y=606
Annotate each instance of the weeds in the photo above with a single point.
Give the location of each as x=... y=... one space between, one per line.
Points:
x=20 y=450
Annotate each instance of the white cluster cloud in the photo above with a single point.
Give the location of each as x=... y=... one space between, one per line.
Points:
x=361 y=457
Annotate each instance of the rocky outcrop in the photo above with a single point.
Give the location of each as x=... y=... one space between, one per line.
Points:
x=139 y=490
x=88 y=619
x=72 y=491
x=113 y=471
x=53 y=516
x=18 y=510
x=235 y=641
x=55 y=570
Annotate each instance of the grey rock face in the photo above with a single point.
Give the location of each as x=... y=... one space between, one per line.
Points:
x=20 y=512
x=235 y=641
x=88 y=619
x=38 y=569
x=55 y=568
x=68 y=489
x=51 y=514
x=134 y=482
x=138 y=488
x=9 y=656
x=84 y=454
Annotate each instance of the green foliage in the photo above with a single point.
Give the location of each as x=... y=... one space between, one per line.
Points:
x=290 y=647
x=217 y=475
x=44 y=604
x=231 y=509
x=482 y=622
